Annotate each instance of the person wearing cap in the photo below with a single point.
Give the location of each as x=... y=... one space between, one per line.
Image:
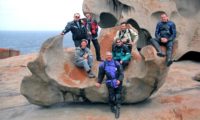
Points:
x=84 y=58
x=121 y=53
x=77 y=29
x=114 y=78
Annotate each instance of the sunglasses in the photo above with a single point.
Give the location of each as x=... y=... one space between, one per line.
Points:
x=77 y=16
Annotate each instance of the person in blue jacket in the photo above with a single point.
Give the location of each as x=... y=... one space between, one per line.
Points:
x=114 y=78
x=165 y=34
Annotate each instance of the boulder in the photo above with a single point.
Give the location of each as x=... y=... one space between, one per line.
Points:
x=143 y=15
x=55 y=79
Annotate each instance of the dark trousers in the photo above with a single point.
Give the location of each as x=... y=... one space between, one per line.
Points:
x=115 y=95
x=96 y=46
x=77 y=43
x=124 y=63
x=169 y=46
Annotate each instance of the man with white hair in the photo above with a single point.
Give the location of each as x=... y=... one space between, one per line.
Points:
x=114 y=73
x=77 y=28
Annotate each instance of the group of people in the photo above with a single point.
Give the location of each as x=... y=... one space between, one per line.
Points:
x=85 y=31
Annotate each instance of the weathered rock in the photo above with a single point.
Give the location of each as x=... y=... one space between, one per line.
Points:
x=55 y=79
x=197 y=77
x=144 y=14
x=177 y=99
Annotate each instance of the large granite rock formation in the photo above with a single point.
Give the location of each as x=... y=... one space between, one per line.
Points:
x=55 y=79
x=144 y=14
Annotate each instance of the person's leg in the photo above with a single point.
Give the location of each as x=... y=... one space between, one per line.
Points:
x=97 y=49
x=90 y=61
x=111 y=98
x=125 y=64
x=155 y=43
x=77 y=43
x=88 y=45
x=169 y=47
x=118 y=100
x=87 y=68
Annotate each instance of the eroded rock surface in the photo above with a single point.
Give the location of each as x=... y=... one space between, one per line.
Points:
x=55 y=79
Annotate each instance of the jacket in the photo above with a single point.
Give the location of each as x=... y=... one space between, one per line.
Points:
x=80 y=52
x=166 y=30
x=78 y=33
x=121 y=53
x=112 y=69
x=129 y=34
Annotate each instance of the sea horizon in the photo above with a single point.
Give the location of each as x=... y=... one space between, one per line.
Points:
x=27 y=41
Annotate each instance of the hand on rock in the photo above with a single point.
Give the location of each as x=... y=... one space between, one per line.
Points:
x=98 y=85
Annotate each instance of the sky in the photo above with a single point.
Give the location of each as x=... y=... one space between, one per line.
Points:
x=37 y=14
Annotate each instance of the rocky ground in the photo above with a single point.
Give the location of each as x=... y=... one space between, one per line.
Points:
x=178 y=99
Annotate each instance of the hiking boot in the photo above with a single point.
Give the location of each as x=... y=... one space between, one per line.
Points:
x=169 y=62
x=117 y=112
x=91 y=74
x=99 y=59
x=160 y=54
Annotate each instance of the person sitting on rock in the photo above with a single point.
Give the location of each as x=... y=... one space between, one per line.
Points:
x=84 y=58
x=165 y=34
x=114 y=73
x=121 y=53
x=128 y=36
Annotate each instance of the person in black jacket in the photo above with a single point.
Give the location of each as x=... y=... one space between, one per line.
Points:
x=114 y=78
x=77 y=28
x=165 y=34
x=92 y=34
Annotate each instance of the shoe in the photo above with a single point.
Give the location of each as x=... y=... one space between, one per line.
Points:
x=169 y=62
x=100 y=60
x=91 y=75
x=160 y=54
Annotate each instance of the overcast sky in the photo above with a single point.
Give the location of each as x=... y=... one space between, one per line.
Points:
x=37 y=14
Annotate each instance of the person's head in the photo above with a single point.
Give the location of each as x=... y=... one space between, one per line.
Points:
x=76 y=16
x=164 y=17
x=88 y=16
x=118 y=42
x=84 y=43
x=108 y=55
x=123 y=26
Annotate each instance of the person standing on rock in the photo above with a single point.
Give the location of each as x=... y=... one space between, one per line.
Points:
x=114 y=73
x=127 y=36
x=165 y=34
x=83 y=58
x=77 y=29
x=92 y=34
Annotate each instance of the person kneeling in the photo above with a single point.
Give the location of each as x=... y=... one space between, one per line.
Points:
x=84 y=58
x=121 y=53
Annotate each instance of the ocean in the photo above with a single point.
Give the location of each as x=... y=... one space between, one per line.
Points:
x=30 y=41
